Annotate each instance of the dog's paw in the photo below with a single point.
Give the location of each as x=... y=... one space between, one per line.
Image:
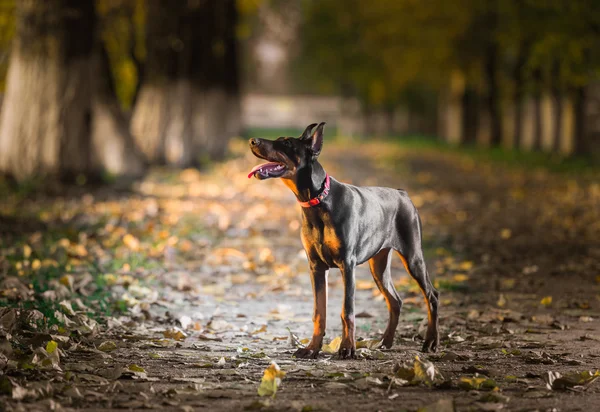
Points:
x=306 y=353
x=431 y=343
x=347 y=351
x=387 y=342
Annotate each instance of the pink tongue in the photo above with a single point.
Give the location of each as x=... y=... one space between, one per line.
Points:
x=257 y=167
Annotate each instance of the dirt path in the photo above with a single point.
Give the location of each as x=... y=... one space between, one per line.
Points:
x=215 y=279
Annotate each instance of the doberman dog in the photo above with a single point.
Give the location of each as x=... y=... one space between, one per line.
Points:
x=344 y=226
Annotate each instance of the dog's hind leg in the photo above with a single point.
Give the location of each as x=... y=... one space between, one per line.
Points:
x=380 y=269
x=415 y=266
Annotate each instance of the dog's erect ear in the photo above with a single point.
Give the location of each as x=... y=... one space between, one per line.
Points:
x=317 y=140
x=306 y=134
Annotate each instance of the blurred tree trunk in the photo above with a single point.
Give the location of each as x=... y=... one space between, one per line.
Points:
x=557 y=97
x=390 y=120
x=519 y=93
x=537 y=110
x=45 y=120
x=188 y=104
x=580 y=146
x=470 y=115
x=493 y=91
x=216 y=58
x=113 y=147
x=159 y=99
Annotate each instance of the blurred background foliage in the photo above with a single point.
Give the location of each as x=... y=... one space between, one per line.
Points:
x=517 y=74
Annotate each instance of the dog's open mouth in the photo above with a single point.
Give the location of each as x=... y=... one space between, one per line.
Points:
x=267 y=170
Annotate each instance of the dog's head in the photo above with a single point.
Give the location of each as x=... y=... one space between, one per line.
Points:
x=286 y=156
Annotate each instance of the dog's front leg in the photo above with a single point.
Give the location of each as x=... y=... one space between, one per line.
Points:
x=348 y=345
x=319 y=283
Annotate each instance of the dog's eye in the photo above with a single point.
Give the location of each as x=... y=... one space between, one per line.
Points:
x=287 y=143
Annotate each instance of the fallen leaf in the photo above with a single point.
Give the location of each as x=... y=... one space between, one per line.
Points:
x=426 y=372
x=501 y=301
x=131 y=242
x=477 y=382
x=332 y=347
x=364 y=285
x=175 y=334
x=368 y=344
x=107 y=346
x=460 y=277
x=575 y=380
x=51 y=346
x=546 y=301
x=271 y=380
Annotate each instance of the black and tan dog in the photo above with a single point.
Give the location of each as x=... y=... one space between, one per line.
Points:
x=344 y=226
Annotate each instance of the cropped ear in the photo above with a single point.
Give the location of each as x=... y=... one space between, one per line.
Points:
x=306 y=134
x=317 y=140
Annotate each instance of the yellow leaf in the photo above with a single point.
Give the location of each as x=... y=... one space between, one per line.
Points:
x=26 y=251
x=131 y=242
x=476 y=383
x=501 y=301
x=364 y=285
x=64 y=243
x=136 y=368
x=505 y=233
x=80 y=250
x=460 y=277
x=466 y=265
x=271 y=380
x=597 y=278
x=67 y=280
x=49 y=262
x=368 y=344
x=107 y=346
x=36 y=264
x=546 y=301
x=333 y=346
x=426 y=372
x=174 y=334
x=51 y=346
x=262 y=329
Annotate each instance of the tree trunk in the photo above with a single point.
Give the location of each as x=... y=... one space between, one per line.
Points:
x=537 y=110
x=390 y=120
x=45 y=120
x=153 y=116
x=215 y=63
x=493 y=94
x=580 y=145
x=188 y=105
x=519 y=94
x=114 y=150
x=470 y=115
x=556 y=107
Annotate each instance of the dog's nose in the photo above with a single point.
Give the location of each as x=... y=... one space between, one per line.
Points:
x=254 y=142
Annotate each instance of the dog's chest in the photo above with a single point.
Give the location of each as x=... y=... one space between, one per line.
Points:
x=323 y=243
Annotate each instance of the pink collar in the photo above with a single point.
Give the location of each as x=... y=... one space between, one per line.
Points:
x=318 y=199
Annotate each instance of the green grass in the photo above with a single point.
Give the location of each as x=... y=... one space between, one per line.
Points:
x=553 y=162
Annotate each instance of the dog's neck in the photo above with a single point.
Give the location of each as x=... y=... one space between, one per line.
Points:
x=308 y=182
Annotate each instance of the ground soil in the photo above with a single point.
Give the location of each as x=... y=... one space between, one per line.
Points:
x=514 y=251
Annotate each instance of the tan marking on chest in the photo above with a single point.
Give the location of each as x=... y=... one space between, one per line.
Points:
x=332 y=241
x=291 y=185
